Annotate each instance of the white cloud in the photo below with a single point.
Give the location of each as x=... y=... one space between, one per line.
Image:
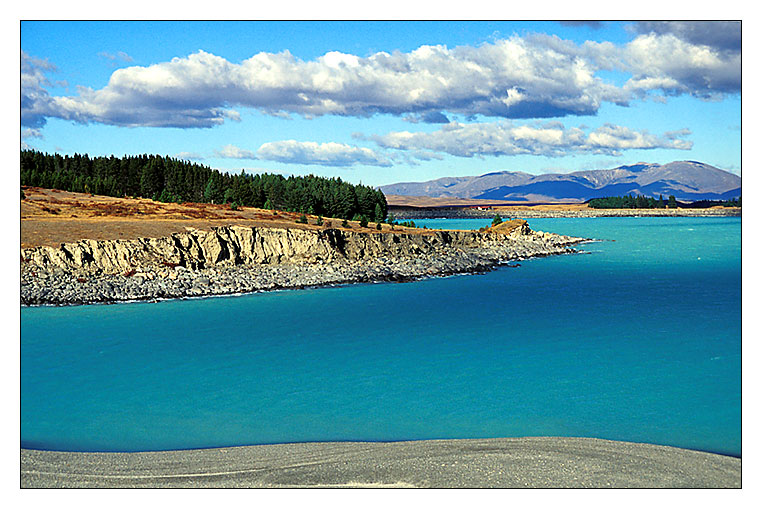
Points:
x=191 y=156
x=612 y=139
x=30 y=133
x=233 y=152
x=325 y=154
x=550 y=139
x=27 y=134
x=34 y=97
x=536 y=76
x=674 y=67
x=720 y=35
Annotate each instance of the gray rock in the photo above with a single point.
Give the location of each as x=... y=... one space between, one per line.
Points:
x=238 y=259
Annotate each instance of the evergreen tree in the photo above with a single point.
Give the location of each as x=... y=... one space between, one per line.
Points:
x=378 y=214
x=213 y=192
x=173 y=180
x=346 y=202
x=242 y=190
x=152 y=178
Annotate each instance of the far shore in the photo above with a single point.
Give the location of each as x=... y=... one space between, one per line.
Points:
x=534 y=462
x=551 y=211
x=424 y=207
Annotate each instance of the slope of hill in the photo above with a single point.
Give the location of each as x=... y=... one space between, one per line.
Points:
x=50 y=217
x=686 y=180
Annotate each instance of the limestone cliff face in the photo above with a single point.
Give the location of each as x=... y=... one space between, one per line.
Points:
x=238 y=245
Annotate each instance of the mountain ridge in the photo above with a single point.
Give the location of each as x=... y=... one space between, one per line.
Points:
x=686 y=180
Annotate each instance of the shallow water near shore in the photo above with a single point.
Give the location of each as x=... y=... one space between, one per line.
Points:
x=638 y=340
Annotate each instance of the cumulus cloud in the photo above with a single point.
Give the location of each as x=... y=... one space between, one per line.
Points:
x=325 y=154
x=233 y=152
x=674 y=66
x=34 y=96
x=30 y=133
x=550 y=139
x=535 y=76
x=720 y=35
x=509 y=78
x=27 y=134
x=135 y=96
x=431 y=117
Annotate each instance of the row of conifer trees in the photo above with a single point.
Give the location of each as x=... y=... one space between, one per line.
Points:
x=632 y=202
x=167 y=179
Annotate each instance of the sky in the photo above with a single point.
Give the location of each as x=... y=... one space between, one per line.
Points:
x=385 y=102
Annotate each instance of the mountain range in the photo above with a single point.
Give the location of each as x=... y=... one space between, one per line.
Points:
x=685 y=180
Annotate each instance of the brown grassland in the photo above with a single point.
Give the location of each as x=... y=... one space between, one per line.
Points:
x=50 y=217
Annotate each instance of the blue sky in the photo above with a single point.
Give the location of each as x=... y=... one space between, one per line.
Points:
x=384 y=102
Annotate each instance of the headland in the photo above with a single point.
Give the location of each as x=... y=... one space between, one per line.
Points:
x=220 y=252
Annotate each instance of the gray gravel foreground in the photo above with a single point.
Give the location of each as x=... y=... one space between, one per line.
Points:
x=545 y=462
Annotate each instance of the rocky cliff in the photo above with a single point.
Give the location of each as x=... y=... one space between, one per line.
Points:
x=239 y=259
x=237 y=245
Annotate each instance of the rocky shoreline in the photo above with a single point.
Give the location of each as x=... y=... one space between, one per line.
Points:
x=235 y=259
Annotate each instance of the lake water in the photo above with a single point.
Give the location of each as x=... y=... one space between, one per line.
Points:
x=638 y=340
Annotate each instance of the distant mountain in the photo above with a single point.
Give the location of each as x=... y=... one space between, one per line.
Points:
x=685 y=180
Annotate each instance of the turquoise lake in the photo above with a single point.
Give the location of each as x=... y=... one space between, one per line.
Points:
x=638 y=340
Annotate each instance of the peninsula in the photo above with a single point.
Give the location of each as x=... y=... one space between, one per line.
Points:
x=81 y=249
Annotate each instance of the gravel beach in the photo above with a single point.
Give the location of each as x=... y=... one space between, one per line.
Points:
x=546 y=462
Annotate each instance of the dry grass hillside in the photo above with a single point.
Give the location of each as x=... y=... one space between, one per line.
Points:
x=50 y=217
x=507 y=227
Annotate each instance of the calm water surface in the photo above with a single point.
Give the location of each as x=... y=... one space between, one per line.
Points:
x=638 y=340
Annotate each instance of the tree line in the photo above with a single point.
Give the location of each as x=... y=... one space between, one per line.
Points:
x=702 y=204
x=632 y=202
x=166 y=179
x=644 y=202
